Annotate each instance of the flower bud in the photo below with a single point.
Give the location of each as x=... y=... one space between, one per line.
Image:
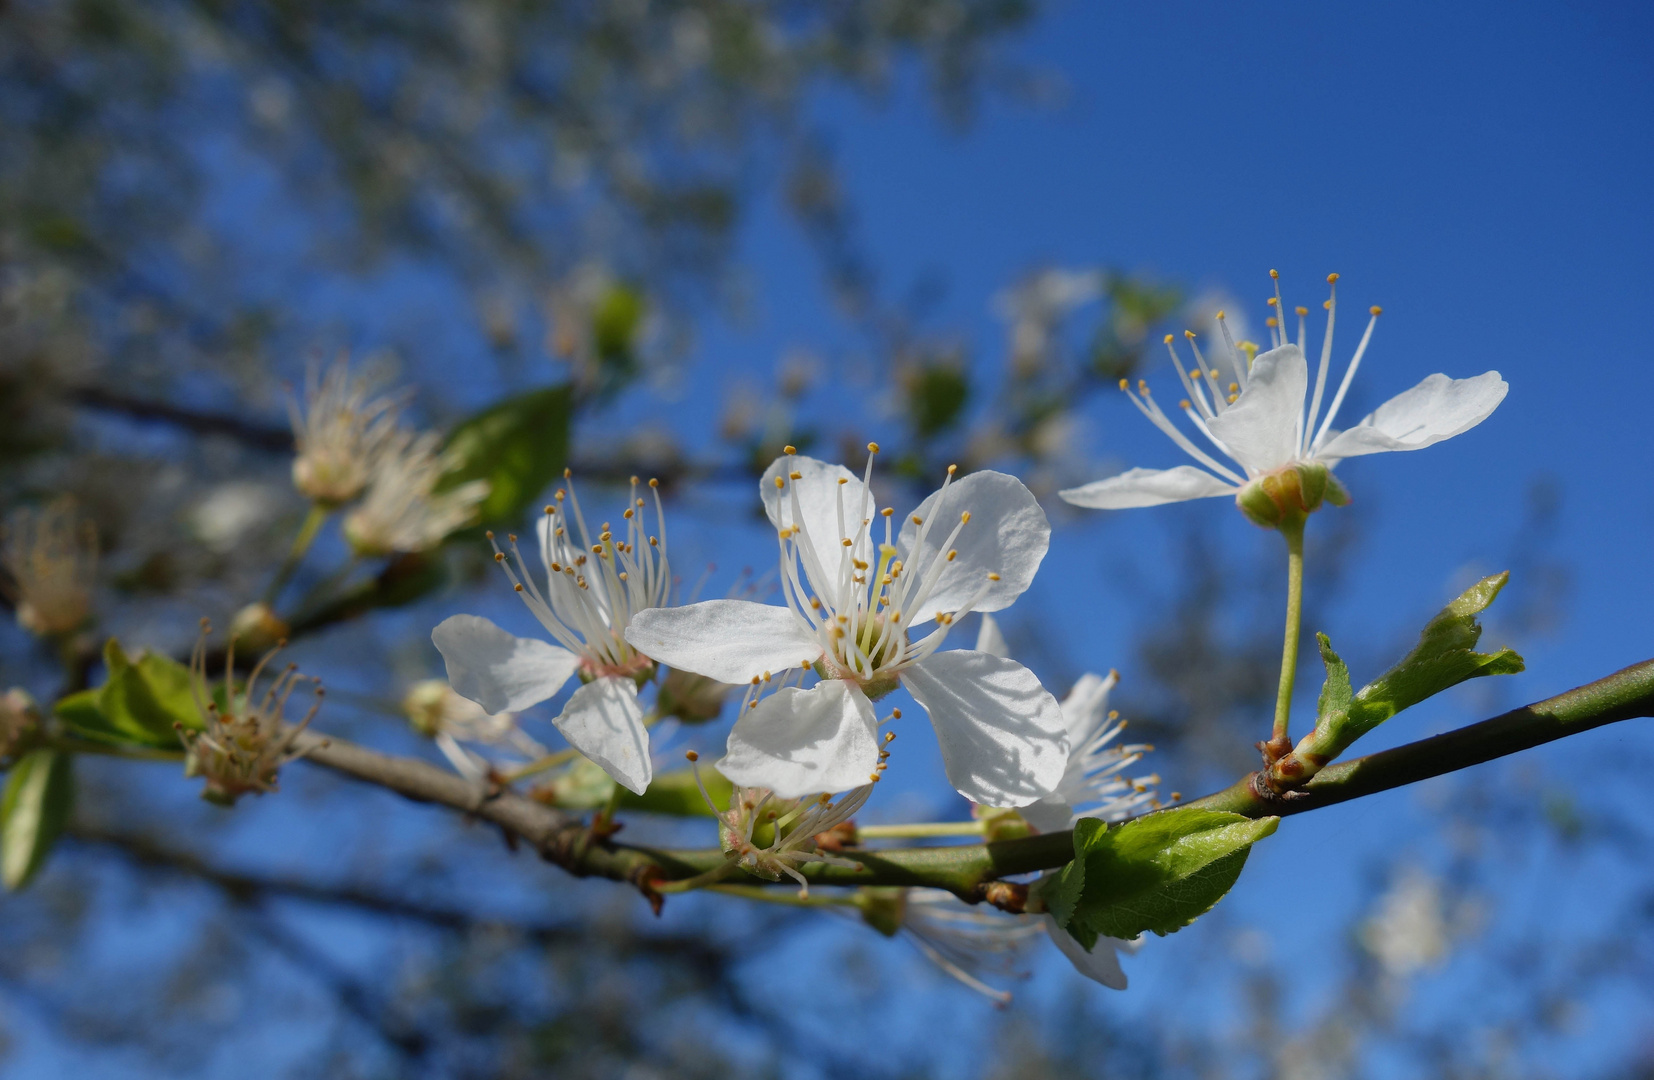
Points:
x=693 y=699
x=1290 y=493
x=258 y=627
x=883 y=908
x=19 y=719
x=426 y=705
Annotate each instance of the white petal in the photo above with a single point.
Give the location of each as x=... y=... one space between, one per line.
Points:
x=1050 y=814
x=500 y=671
x=1003 y=739
x=1006 y=535
x=1148 y=487
x=1101 y=964
x=1086 y=707
x=1437 y=408
x=727 y=640
x=989 y=639
x=1261 y=429
x=820 y=497
x=801 y=742
x=604 y=721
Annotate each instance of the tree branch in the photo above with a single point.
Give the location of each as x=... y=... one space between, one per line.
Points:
x=967 y=869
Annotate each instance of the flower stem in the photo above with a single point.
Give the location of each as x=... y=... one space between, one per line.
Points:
x=534 y=768
x=783 y=896
x=919 y=829
x=1293 y=530
x=295 y=555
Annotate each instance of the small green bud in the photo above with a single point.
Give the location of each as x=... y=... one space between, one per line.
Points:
x=1290 y=493
x=258 y=627
x=693 y=699
x=883 y=908
x=425 y=706
x=19 y=721
x=1001 y=823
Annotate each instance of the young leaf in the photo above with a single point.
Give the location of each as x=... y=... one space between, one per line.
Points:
x=676 y=793
x=519 y=446
x=1157 y=873
x=138 y=705
x=39 y=795
x=1444 y=657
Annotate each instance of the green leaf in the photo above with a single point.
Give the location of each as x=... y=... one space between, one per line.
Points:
x=39 y=794
x=1157 y=873
x=138 y=705
x=616 y=319
x=937 y=394
x=519 y=446
x=1444 y=657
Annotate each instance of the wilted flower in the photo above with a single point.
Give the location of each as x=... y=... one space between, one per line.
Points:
x=1256 y=416
x=437 y=712
x=592 y=593
x=52 y=557
x=244 y=741
x=851 y=608
x=769 y=836
x=402 y=510
x=339 y=434
x=19 y=719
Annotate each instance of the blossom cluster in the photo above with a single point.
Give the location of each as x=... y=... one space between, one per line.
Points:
x=868 y=600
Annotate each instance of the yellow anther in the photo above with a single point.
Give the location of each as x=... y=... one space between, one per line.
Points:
x=992 y=576
x=755 y=680
x=965 y=517
x=489 y=534
x=623 y=575
x=1124 y=384
x=1168 y=339
x=1194 y=373
x=691 y=755
x=890 y=736
x=1271 y=321
x=789 y=449
x=1332 y=279
x=1234 y=388
x=815 y=602
x=550 y=509
x=1276 y=274
x=556 y=568
x=628 y=514
x=780 y=483
x=1233 y=397
x=952 y=469
x=1377 y=311
x=653 y=482
x=1185 y=404
x=1220 y=314
x=845 y=542
x=796 y=475
x=1327 y=304
x=887 y=511
x=1271 y=301
x=873 y=777
x=568 y=473
x=1142 y=386
x=897 y=713
x=1301 y=311
x=499 y=556
x=517 y=587
x=1190 y=334
x=953 y=554
x=766 y=676
x=844 y=480
x=872 y=448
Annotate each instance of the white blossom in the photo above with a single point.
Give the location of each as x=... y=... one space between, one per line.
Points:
x=1092 y=783
x=853 y=614
x=51 y=555
x=339 y=434
x=449 y=720
x=593 y=590
x=1255 y=416
x=402 y=510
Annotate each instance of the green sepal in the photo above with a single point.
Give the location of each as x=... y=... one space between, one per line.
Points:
x=1444 y=657
x=1159 y=872
x=139 y=703
x=40 y=793
x=519 y=446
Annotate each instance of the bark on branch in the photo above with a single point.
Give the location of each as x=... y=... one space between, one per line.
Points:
x=967 y=869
